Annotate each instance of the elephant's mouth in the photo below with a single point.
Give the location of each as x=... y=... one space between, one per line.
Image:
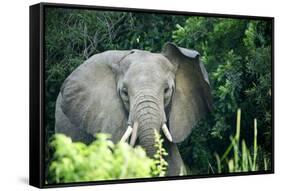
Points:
x=162 y=135
x=132 y=133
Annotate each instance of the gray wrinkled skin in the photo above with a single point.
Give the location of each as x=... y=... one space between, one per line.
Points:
x=116 y=88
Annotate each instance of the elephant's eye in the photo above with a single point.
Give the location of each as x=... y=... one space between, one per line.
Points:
x=166 y=90
x=124 y=94
x=167 y=95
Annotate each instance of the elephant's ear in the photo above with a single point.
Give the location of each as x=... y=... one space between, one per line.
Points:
x=90 y=99
x=192 y=96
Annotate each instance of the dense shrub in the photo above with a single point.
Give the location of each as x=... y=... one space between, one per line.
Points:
x=102 y=160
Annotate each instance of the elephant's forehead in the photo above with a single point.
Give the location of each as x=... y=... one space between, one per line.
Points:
x=142 y=68
x=144 y=73
x=146 y=68
x=146 y=61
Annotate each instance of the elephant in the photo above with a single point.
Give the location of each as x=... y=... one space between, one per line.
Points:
x=131 y=94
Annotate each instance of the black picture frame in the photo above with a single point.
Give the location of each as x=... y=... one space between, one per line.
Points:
x=37 y=93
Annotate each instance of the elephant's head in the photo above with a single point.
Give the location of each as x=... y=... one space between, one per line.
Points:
x=133 y=93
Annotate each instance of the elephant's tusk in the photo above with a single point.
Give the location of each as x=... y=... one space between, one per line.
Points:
x=127 y=134
x=167 y=132
x=134 y=134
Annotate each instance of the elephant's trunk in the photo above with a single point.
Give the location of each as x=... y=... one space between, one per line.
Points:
x=147 y=112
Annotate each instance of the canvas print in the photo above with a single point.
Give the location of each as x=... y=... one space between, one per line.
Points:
x=138 y=95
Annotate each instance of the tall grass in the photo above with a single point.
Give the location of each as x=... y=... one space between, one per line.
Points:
x=238 y=158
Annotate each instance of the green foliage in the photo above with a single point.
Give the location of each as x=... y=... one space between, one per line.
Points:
x=102 y=160
x=237 y=55
x=241 y=159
